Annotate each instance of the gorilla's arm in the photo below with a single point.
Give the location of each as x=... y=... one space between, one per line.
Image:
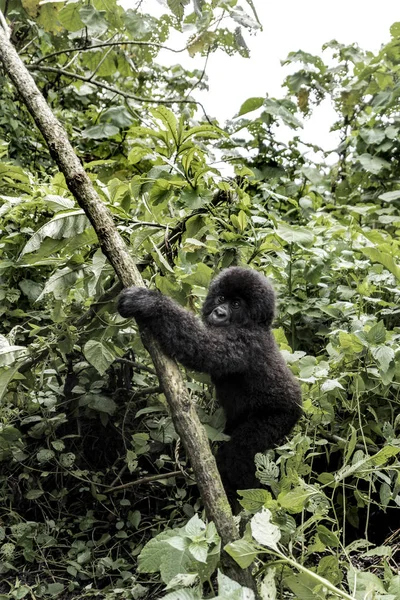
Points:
x=183 y=336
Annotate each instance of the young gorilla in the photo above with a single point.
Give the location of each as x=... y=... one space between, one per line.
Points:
x=234 y=344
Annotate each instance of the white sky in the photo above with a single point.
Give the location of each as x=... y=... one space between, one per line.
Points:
x=288 y=25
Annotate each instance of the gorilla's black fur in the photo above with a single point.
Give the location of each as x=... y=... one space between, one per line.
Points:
x=234 y=344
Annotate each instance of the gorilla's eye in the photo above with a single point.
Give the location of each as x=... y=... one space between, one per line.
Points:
x=235 y=304
x=221 y=299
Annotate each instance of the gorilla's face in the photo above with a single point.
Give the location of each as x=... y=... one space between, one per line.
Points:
x=239 y=296
x=225 y=311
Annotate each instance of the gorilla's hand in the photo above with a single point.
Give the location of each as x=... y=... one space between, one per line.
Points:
x=138 y=302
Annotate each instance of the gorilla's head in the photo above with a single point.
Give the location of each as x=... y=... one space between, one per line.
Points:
x=239 y=296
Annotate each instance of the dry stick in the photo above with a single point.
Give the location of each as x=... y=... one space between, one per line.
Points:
x=184 y=416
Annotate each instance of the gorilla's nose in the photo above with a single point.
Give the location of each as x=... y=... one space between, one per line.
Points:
x=221 y=312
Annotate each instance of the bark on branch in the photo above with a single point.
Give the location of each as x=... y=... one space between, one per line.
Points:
x=183 y=413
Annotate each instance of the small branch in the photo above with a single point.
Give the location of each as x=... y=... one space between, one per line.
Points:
x=105 y=45
x=142 y=481
x=109 y=295
x=115 y=90
x=135 y=365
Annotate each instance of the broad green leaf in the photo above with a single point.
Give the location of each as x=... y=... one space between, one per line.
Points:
x=62 y=225
x=254 y=500
x=228 y=589
x=384 y=356
x=293 y=234
x=45 y=455
x=372 y=136
x=160 y=191
x=390 y=196
x=6 y=375
x=58 y=203
x=295 y=500
x=243 y=552
x=276 y=109
x=384 y=259
x=263 y=531
x=60 y=284
x=381 y=458
x=331 y=384
x=365 y=584
x=103 y=404
x=249 y=105
x=137 y=154
x=118 y=116
x=9 y=354
x=99 y=132
x=98 y=355
x=194 y=527
x=373 y=164
x=350 y=343
x=305 y=587
x=69 y=16
x=199 y=551
x=377 y=333
x=328 y=537
x=55 y=589
x=93 y=20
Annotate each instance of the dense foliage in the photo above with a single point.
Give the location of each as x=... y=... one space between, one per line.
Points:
x=97 y=494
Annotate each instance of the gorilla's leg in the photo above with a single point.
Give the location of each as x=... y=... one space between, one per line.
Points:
x=235 y=459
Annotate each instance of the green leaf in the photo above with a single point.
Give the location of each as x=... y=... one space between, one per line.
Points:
x=293 y=234
x=55 y=589
x=377 y=333
x=263 y=531
x=249 y=105
x=45 y=455
x=254 y=500
x=99 y=132
x=93 y=20
x=153 y=553
x=350 y=343
x=384 y=259
x=199 y=551
x=390 y=196
x=295 y=500
x=58 y=203
x=327 y=536
x=160 y=191
x=386 y=453
x=60 y=283
x=67 y=459
x=62 y=225
x=70 y=18
x=384 y=356
x=34 y=494
x=275 y=108
x=373 y=164
x=304 y=586
x=98 y=355
x=243 y=552
x=161 y=258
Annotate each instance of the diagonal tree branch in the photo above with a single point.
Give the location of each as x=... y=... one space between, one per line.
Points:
x=183 y=413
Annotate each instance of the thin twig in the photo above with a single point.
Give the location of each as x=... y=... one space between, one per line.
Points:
x=115 y=90
x=143 y=481
x=105 y=45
